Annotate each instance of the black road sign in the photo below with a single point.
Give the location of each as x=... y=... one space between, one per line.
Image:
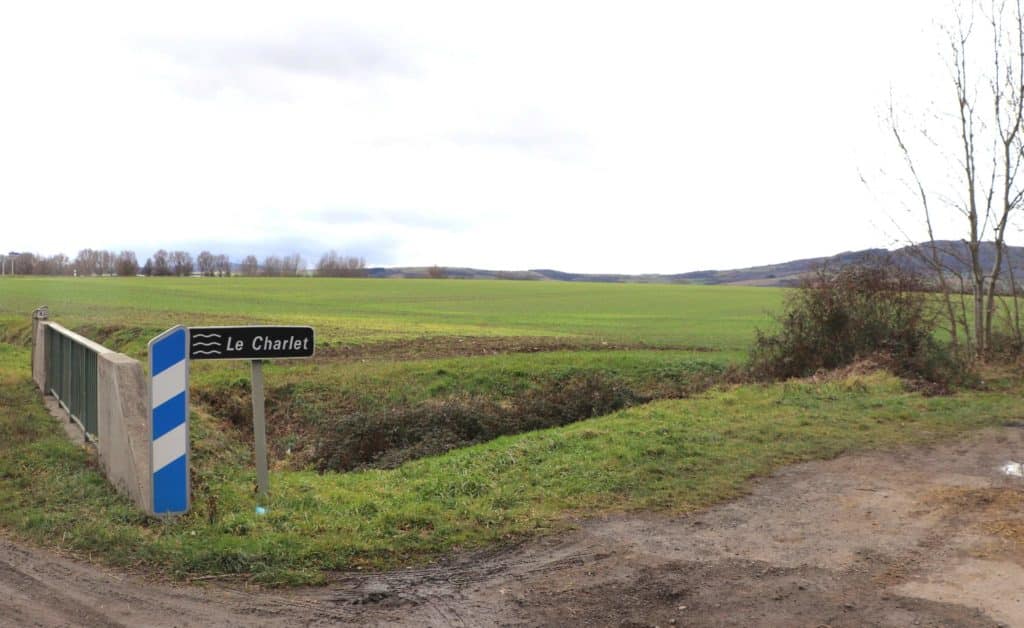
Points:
x=249 y=343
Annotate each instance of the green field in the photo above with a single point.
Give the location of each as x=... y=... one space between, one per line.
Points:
x=359 y=311
x=438 y=365
x=387 y=344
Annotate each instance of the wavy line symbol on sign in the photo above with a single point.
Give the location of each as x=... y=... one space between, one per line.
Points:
x=206 y=335
x=205 y=344
x=201 y=352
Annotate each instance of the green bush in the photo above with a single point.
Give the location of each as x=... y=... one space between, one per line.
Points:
x=875 y=309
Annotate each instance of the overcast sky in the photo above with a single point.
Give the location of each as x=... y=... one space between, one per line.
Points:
x=592 y=137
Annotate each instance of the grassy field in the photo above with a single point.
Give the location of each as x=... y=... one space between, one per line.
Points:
x=393 y=346
x=391 y=343
x=358 y=311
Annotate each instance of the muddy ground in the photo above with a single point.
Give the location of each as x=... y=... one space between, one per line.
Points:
x=434 y=347
x=930 y=536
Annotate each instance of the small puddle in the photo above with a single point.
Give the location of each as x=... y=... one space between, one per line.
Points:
x=1013 y=469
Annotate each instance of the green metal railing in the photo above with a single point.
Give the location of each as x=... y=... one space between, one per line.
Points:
x=72 y=377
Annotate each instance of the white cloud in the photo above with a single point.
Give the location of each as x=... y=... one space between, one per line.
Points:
x=603 y=137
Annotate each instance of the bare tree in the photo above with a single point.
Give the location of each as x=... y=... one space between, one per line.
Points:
x=1011 y=311
x=985 y=57
x=107 y=262
x=95 y=262
x=250 y=266
x=436 y=272
x=332 y=264
x=181 y=263
x=87 y=263
x=291 y=265
x=41 y=265
x=127 y=264
x=205 y=262
x=161 y=264
x=272 y=266
x=222 y=264
x=28 y=263
x=59 y=264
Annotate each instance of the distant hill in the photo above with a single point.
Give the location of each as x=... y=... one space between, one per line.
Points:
x=781 y=274
x=953 y=254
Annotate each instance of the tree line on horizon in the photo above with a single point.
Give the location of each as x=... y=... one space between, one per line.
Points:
x=163 y=263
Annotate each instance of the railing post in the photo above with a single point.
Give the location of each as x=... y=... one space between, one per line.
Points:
x=39 y=353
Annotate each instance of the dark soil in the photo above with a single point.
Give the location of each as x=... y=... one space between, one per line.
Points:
x=470 y=346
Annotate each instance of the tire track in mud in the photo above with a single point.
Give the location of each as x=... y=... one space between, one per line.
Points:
x=21 y=593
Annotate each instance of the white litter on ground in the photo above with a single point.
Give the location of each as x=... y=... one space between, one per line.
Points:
x=1014 y=469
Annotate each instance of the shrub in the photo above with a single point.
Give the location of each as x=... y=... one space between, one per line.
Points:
x=1007 y=345
x=872 y=309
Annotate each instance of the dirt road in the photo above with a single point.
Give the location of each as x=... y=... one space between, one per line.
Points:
x=926 y=536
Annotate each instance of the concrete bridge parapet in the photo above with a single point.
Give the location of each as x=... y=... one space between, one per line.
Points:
x=122 y=405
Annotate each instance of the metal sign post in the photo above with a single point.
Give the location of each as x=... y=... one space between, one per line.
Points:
x=259 y=430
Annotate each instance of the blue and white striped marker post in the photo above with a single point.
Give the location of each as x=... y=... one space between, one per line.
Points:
x=168 y=421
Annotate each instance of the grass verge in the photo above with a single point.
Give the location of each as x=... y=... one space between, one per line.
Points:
x=382 y=412
x=674 y=455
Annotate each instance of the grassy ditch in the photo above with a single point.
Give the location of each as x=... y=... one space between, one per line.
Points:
x=382 y=403
x=380 y=413
x=674 y=455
